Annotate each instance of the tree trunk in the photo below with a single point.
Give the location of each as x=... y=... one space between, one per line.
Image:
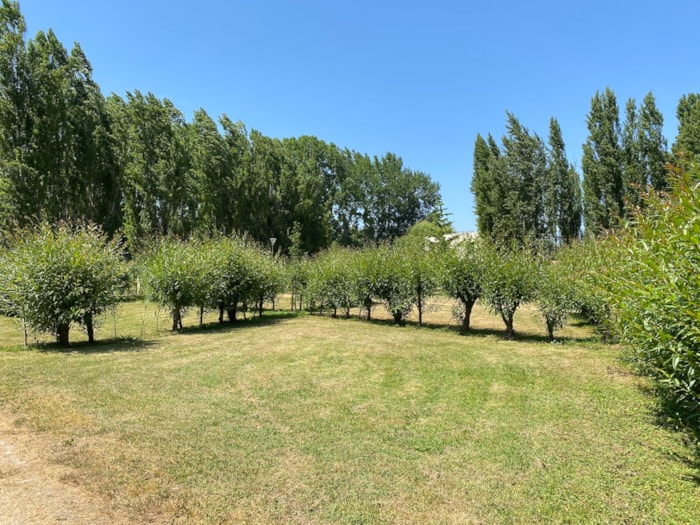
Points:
x=550 y=330
x=90 y=328
x=201 y=315
x=468 y=306
x=260 y=306
x=221 y=312
x=508 y=321
x=398 y=318
x=62 y=335
x=232 y=313
x=177 y=318
x=419 y=306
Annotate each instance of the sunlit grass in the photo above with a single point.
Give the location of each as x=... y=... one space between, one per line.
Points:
x=307 y=419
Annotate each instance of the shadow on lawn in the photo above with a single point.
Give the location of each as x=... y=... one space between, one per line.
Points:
x=686 y=420
x=522 y=337
x=269 y=318
x=107 y=346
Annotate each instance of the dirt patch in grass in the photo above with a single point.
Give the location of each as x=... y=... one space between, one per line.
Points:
x=36 y=489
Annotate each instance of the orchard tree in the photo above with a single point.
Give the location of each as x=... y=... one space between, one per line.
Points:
x=56 y=276
x=511 y=279
x=554 y=297
x=463 y=275
x=393 y=286
x=172 y=273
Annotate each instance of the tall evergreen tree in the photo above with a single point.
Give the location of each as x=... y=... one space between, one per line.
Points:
x=633 y=168
x=688 y=114
x=652 y=144
x=482 y=185
x=602 y=164
x=562 y=192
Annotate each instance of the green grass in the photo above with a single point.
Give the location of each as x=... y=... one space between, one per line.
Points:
x=307 y=419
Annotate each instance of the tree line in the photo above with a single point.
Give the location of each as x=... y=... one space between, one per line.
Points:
x=525 y=188
x=134 y=165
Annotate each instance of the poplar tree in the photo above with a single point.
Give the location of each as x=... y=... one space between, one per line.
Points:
x=652 y=144
x=602 y=161
x=688 y=114
x=563 y=191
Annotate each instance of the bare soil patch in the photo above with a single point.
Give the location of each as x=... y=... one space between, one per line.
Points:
x=34 y=488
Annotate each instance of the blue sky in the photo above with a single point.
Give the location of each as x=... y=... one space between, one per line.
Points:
x=419 y=79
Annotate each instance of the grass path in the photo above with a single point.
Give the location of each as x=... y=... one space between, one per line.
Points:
x=317 y=420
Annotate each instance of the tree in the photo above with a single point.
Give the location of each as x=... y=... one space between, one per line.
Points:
x=212 y=173
x=644 y=152
x=159 y=191
x=688 y=114
x=55 y=276
x=332 y=280
x=510 y=280
x=652 y=144
x=483 y=185
x=554 y=298
x=510 y=186
x=396 y=198
x=172 y=273
x=463 y=276
x=603 y=189
x=563 y=208
x=393 y=285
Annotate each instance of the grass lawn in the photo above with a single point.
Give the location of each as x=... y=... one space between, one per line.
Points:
x=306 y=419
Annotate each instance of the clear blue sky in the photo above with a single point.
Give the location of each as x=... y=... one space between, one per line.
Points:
x=419 y=79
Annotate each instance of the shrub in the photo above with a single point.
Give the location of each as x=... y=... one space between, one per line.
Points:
x=655 y=290
x=55 y=276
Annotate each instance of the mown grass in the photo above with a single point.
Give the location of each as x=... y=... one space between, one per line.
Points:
x=307 y=419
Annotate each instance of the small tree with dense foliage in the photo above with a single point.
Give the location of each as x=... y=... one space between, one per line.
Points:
x=393 y=286
x=463 y=276
x=173 y=273
x=554 y=297
x=333 y=279
x=511 y=279
x=56 y=276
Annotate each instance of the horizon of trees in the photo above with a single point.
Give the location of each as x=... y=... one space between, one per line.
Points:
x=525 y=188
x=134 y=165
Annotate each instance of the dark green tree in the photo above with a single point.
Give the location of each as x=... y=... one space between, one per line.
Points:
x=652 y=144
x=688 y=114
x=603 y=189
x=563 y=206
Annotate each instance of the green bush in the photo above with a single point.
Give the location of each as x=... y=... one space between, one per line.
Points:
x=655 y=290
x=55 y=276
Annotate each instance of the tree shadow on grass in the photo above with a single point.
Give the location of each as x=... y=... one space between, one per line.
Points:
x=677 y=418
x=106 y=346
x=269 y=318
x=522 y=337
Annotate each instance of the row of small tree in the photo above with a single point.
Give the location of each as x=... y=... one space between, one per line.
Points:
x=56 y=276
x=406 y=275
